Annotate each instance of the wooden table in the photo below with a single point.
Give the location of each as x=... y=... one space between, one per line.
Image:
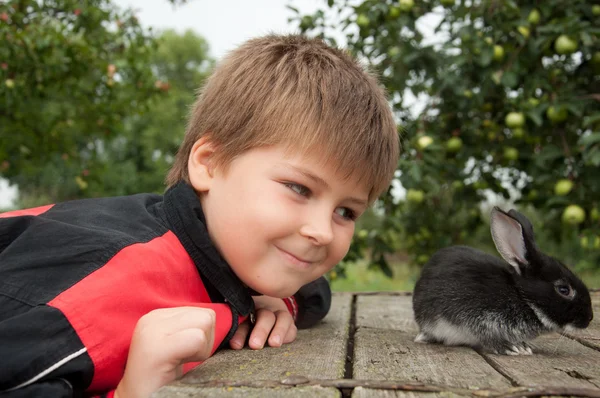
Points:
x=364 y=348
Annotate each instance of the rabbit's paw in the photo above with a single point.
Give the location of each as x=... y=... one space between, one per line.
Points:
x=425 y=338
x=508 y=348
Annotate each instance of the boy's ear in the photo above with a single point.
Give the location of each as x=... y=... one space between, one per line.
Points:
x=200 y=170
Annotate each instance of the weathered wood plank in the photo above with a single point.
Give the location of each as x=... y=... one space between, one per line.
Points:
x=557 y=362
x=392 y=355
x=384 y=350
x=386 y=312
x=242 y=392
x=317 y=353
x=361 y=392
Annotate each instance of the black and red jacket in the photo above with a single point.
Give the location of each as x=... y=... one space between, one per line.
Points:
x=75 y=278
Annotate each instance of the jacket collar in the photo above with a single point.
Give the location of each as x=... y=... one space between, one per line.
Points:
x=186 y=218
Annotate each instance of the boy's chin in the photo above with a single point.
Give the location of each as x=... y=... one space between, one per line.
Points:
x=274 y=291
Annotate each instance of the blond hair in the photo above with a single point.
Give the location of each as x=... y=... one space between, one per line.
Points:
x=298 y=92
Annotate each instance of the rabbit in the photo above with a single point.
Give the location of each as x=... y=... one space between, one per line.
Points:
x=470 y=298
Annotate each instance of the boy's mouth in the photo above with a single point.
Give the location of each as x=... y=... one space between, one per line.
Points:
x=298 y=262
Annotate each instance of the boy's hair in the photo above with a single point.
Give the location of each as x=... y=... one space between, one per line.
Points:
x=297 y=92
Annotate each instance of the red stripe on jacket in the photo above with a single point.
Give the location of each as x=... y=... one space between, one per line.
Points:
x=35 y=211
x=105 y=306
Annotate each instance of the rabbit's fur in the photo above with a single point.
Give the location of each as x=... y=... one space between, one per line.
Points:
x=467 y=297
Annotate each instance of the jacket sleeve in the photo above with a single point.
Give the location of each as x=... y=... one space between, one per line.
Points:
x=56 y=388
x=313 y=301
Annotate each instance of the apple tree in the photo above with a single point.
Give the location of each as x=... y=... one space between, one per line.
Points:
x=91 y=103
x=70 y=74
x=495 y=100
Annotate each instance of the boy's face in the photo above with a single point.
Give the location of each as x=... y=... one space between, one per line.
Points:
x=279 y=220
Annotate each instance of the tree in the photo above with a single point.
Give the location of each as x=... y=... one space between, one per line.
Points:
x=91 y=103
x=180 y=65
x=510 y=94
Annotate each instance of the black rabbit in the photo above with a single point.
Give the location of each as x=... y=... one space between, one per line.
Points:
x=467 y=297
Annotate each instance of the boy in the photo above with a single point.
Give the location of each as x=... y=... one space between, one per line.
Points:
x=289 y=142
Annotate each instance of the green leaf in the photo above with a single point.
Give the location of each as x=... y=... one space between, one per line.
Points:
x=589 y=120
x=589 y=139
x=485 y=58
x=536 y=116
x=593 y=157
x=415 y=173
x=510 y=79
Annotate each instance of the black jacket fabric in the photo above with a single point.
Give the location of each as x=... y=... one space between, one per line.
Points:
x=76 y=276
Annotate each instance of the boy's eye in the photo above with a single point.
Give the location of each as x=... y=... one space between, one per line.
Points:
x=299 y=189
x=347 y=213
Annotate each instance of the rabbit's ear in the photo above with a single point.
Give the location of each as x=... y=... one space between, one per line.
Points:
x=507 y=234
x=525 y=224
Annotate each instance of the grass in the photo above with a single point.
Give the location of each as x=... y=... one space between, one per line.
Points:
x=359 y=278
x=362 y=279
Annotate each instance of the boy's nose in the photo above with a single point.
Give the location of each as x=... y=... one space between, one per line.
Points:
x=318 y=229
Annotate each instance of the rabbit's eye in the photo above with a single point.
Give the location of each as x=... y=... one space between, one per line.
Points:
x=564 y=290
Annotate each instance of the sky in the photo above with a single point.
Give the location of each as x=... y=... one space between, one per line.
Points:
x=225 y=24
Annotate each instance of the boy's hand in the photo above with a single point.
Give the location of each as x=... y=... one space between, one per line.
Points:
x=162 y=341
x=273 y=321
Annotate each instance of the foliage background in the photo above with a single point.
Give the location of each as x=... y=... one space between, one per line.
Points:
x=511 y=112
x=93 y=104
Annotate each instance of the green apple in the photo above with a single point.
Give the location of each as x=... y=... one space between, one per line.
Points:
x=573 y=214
x=596 y=58
x=489 y=40
x=557 y=114
x=511 y=153
x=415 y=195
x=362 y=20
x=422 y=259
x=534 y=17
x=394 y=12
x=514 y=120
x=447 y=3
x=565 y=45
x=406 y=5
x=363 y=233
x=480 y=184
x=498 y=52
x=468 y=93
x=424 y=141
x=454 y=144
x=594 y=214
x=596 y=10
x=586 y=244
x=394 y=51
x=524 y=30
x=563 y=187
x=10 y=83
x=533 y=194
x=533 y=101
x=457 y=185
x=81 y=183
x=518 y=133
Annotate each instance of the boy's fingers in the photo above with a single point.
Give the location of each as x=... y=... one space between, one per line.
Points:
x=190 y=345
x=239 y=338
x=291 y=334
x=172 y=320
x=282 y=325
x=265 y=320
